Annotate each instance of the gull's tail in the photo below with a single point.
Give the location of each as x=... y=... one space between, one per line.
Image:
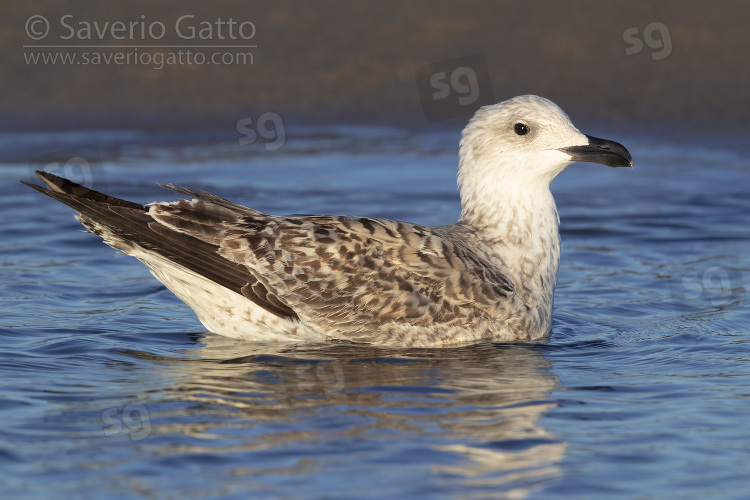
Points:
x=121 y=223
x=128 y=227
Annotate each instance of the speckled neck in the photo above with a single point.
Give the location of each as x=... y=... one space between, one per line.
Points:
x=517 y=219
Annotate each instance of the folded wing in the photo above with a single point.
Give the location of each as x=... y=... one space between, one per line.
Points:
x=347 y=275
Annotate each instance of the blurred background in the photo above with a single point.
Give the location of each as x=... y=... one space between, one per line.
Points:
x=674 y=68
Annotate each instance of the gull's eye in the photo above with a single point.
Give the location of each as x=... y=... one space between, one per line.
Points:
x=521 y=128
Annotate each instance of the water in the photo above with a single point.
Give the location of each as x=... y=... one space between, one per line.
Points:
x=112 y=389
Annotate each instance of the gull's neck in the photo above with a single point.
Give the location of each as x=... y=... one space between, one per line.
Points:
x=514 y=213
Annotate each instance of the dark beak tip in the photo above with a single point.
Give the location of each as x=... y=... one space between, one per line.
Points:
x=602 y=151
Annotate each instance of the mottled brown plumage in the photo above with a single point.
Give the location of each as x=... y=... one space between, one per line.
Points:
x=252 y=275
x=355 y=278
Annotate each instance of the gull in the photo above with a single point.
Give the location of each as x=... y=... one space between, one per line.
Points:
x=489 y=277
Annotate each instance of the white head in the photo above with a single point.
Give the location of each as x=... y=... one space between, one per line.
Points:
x=521 y=144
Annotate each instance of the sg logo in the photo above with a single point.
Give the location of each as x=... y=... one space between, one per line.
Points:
x=132 y=419
x=268 y=126
x=713 y=284
x=81 y=164
x=463 y=81
x=655 y=34
x=717 y=285
x=454 y=88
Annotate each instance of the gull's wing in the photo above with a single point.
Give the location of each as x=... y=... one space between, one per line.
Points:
x=342 y=275
x=346 y=275
x=129 y=227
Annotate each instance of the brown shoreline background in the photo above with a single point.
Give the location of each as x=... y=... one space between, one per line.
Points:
x=325 y=61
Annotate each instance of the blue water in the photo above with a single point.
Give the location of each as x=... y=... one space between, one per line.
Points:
x=111 y=388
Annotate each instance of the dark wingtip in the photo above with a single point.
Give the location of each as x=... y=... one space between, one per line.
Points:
x=39 y=188
x=62 y=186
x=57 y=183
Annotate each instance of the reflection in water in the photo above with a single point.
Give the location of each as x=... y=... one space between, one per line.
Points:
x=472 y=412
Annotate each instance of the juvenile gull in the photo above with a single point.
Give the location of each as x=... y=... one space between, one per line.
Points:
x=490 y=276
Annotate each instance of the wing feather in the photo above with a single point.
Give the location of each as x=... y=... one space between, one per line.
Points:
x=346 y=275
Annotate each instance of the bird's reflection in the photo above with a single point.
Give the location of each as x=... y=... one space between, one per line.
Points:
x=479 y=406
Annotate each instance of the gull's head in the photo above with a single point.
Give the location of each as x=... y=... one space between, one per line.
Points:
x=528 y=140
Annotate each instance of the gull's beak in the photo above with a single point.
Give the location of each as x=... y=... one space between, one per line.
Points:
x=609 y=153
